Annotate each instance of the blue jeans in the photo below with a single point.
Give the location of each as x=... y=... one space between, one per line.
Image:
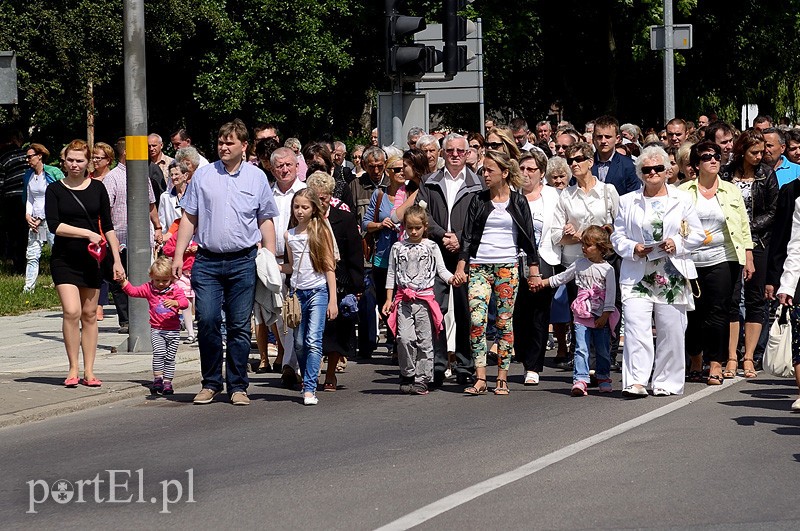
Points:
x=227 y=282
x=308 y=336
x=585 y=338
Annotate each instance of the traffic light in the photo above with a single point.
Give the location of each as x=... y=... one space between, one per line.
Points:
x=454 y=29
x=406 y=60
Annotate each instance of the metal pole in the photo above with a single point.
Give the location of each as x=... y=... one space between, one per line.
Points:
x=669 y=64
x=139 y=253
x=397 y=111
x=479 y=54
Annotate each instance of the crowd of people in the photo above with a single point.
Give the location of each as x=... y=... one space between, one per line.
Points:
x=467 y=249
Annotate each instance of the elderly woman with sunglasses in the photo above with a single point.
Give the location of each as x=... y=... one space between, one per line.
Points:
x=34 y=184
x=654 y=234
x=728 y=246
x=378 y=221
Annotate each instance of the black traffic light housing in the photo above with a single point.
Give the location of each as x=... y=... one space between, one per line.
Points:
x=406 y=60
x=454 y=29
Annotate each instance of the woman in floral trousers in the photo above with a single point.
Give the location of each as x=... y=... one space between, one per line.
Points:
x=654 y=232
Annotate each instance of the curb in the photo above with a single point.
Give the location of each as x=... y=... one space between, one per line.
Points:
x=39 y=413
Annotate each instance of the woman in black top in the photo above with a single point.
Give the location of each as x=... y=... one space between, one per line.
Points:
x=339 y=337
x=78 y=212
x=759 y=187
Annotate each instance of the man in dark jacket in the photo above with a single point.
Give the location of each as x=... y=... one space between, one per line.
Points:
x=447 y=194
x=609 y=166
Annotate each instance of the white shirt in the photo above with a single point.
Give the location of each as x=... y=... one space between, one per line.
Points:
x=34 y=204
x=717 y=250
x=496 y=247
x=452 y=185
x=597 y=207
x=303 y=274
x=284 y=202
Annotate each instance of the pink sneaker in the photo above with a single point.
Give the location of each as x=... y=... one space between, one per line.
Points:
x=579 y=388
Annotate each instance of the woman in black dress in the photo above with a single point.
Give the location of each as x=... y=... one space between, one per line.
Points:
x=339 y=334
x=78 y=212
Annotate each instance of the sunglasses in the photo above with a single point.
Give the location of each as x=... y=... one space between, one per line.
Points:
x=495 y=145
x=558 y=146
x=705 y=157
x=394 y=170
x=29 y=157
x=475 y=146
x=450 y=151
x=578 y=159
x=646 y=170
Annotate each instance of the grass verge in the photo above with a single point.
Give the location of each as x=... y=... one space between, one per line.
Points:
x=14 y=302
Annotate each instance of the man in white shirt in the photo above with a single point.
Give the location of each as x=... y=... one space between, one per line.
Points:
x=448 y=193
x=283 y=164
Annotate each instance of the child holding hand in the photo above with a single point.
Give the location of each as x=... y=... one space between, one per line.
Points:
x=166 y=300
x=413 y=314
x=592 y=309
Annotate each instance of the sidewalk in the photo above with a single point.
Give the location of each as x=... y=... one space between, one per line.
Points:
x=33 y=365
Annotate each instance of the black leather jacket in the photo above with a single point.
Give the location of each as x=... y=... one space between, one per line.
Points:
x=479 y=209
x=764 y=198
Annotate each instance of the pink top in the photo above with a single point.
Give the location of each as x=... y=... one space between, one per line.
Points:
x=188 y=256
x=161 y=317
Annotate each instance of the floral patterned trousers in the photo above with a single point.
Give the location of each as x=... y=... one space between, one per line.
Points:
x=503 y=279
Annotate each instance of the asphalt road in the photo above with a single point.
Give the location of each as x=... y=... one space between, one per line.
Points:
x=367 y=457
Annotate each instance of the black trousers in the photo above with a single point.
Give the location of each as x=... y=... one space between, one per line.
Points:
x=120 y=297
x=708 y=328
x=465 y=365
x=531 y=322
x=754 y=308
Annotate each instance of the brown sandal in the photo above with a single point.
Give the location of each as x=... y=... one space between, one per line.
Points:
x=501 y=388
x=751 y=372
x=714 y=379
x=474 y=390
x=729 y=373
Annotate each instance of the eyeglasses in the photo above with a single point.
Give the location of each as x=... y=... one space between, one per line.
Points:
x=376 y=166
x=646 y=170
x=578 y=159
x=705 y=157
x=450 y=151
x=495 y=145
x=475 y=146
x=394 y=170
x=529 y=168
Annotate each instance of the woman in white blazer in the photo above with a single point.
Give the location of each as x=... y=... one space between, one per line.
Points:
x=532 y=310
x=654 y=233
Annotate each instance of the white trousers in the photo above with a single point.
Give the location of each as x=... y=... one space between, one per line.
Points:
x=668 y=362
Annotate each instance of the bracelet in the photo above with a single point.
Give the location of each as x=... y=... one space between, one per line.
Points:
x=158 y=228
x=540 y=276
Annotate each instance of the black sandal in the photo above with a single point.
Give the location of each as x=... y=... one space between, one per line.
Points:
x=474 y=390
x=695 y=376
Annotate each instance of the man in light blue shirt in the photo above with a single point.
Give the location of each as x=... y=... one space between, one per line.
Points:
x=774 y=147
x=228 y=207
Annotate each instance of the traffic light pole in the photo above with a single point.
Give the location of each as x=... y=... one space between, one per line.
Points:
x=397 y=111
x=669 y=64
x=139 y=251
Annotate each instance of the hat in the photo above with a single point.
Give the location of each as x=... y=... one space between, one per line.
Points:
x=348 y=307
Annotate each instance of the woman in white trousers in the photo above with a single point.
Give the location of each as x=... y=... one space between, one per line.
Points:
x=654 y=232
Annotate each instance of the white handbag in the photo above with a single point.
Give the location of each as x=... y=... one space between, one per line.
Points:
x=778 y=354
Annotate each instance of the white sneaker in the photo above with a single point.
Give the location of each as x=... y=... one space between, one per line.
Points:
x=634 y=391
x=531 y=378
x=310 y=400
x=796 y=405
x=448 y=374
x=660 y=392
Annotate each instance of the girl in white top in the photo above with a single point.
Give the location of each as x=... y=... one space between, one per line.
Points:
x=311 y=263
x=594 y=311
x=588 y=202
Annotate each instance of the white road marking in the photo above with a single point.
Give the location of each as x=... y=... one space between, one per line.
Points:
x=484 y=487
